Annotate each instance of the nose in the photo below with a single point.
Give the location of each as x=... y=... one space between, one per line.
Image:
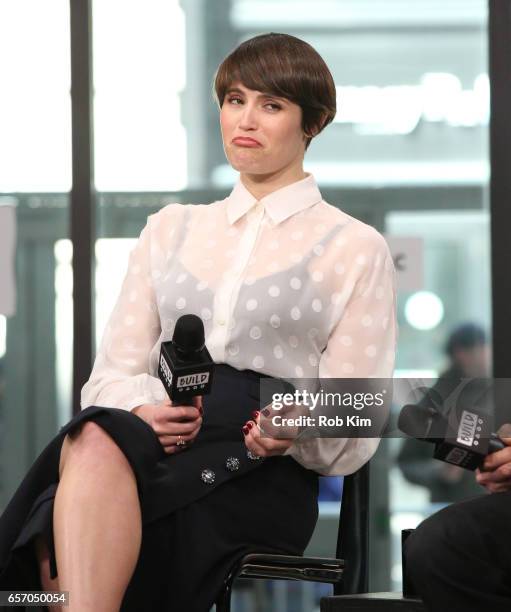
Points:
x=248 y=119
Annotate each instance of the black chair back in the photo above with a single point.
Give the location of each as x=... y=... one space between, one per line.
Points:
x=353 y=533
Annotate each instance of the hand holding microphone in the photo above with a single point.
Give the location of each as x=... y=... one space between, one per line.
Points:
x=461 y=437
x=186 y=371
x=495 y=473
x=175 y=425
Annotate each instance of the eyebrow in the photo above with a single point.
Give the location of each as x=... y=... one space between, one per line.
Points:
x=259 y=96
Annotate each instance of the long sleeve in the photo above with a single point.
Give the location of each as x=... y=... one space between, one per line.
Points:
x=120 y=377
x=362 y=344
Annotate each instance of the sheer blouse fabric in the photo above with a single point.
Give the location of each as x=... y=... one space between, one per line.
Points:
x=289 y=286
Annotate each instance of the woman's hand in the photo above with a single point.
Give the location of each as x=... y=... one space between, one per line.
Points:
x=261 y=435
x=496 y=472
x=173 y=423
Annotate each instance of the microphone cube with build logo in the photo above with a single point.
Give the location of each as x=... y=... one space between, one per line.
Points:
x=184 y=378
x=467 y=442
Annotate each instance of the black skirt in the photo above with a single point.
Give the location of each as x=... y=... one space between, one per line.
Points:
x=193 y=530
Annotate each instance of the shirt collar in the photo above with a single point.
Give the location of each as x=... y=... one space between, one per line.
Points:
x=279 y=204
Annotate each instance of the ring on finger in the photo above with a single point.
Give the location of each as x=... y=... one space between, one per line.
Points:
x=180 y=441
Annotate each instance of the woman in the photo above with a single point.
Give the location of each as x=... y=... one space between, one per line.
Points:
x=287 y=286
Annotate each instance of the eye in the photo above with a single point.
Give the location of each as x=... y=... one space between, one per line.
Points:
x=275 y=106
x=234 y=99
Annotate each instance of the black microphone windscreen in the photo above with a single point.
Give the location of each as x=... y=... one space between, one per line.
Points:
x=414 y=421
x=189 y=334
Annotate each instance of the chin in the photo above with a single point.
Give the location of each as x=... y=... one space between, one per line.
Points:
x=256 y=171
x=247 y=168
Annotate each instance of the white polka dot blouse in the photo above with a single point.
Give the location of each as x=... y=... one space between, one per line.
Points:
x=288 y=285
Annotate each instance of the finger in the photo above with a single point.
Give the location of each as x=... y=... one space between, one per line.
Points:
x=178 y=440
x=183 y=413
x=255 y=448
x=275 y=440
x=504 y=432
x=498 y=487
x=275 y=446
x=196 y=402
x=190 y=438
x=280 y=430
x=482 y=478
x=172 y=449
x=495 y=460
x=178 y=414
x=268 y=442
x=173 y=440
x=179 y=428
x=251 y=442
x=501 y=474
x=263 y=450
x=200 y=404
x=265 y=447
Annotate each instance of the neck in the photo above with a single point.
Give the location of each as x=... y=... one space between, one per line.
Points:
x=260 y=185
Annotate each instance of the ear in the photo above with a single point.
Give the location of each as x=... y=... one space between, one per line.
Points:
x=311 y=133
x=321 y=124
x=314 y=131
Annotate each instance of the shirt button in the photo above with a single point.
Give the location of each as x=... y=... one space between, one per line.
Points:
x=220 y=321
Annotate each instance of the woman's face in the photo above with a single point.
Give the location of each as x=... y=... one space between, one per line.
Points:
x=262 y=133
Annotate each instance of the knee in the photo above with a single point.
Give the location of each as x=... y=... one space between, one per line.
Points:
x=89 y=432
x=430 y=550
x=89 y=439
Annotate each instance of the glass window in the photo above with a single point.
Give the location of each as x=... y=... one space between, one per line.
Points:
x=35 y=105
x=139 y=75
x=35 y=176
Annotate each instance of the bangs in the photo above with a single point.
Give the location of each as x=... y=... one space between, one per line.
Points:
x=269 y=70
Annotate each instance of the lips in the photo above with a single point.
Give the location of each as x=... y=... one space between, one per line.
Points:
x=246 y=142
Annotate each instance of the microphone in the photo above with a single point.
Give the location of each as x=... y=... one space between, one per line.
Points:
x=463 y=440
x=185 y=365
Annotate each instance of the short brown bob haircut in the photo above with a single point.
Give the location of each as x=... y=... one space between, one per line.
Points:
x=286 y=66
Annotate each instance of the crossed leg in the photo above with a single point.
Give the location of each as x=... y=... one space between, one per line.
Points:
x=96 y=523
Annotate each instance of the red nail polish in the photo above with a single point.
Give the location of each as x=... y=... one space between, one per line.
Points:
x=265 y=411
x=245 y=429
x=201 y=410
x=250 y=424
x=255 y=413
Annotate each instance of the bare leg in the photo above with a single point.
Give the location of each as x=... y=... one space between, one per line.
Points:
x=96 y=521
